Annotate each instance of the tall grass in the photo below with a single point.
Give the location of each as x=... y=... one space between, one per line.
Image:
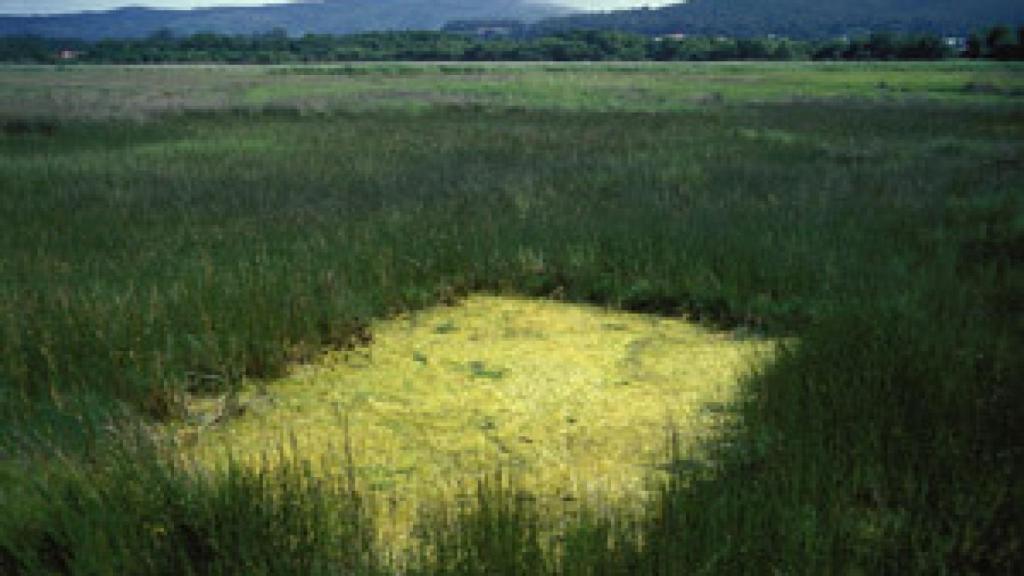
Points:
x=141 y=260
x=126 y=510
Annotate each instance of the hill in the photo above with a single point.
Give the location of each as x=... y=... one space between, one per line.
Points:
x=326 y=17
x=800 y=18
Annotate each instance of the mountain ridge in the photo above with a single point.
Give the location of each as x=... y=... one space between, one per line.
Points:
x=800 y=18
x=326 y=17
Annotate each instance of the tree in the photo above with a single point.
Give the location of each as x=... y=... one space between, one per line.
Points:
x=999 y=43
x=831 y=50
x=752 y=49
x=882 y=46
x=973 y=48
x=858 y=49
x=925 y=47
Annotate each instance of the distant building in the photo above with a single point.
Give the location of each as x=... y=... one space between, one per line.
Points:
x=68 y=55
x=958 y=43
x=674 y=36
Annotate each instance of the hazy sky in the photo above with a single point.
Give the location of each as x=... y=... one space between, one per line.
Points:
x=57 y=6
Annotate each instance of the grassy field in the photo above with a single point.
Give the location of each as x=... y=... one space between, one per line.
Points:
x=176 y=232
x=102 y=92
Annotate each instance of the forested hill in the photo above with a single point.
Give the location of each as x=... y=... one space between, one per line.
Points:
x=734 y=18
x=801 y=18
x=325 y=17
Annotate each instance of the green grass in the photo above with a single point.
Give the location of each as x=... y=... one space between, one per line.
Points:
x=252 y=218
x=103 y=92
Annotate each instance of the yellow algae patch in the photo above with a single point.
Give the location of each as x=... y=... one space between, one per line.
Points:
x=573 y=401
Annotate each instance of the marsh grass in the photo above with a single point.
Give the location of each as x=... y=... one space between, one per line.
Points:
x=142 y=259
x=140 y=92
x=127 y=510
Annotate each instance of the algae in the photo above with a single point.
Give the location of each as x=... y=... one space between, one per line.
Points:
x=576 y=403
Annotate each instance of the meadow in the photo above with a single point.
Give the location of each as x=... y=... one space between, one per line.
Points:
x=173 y=232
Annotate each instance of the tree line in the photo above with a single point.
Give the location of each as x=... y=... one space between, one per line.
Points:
x=277 y=47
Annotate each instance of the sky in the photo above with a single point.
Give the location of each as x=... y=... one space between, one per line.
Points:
x=59 y=6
